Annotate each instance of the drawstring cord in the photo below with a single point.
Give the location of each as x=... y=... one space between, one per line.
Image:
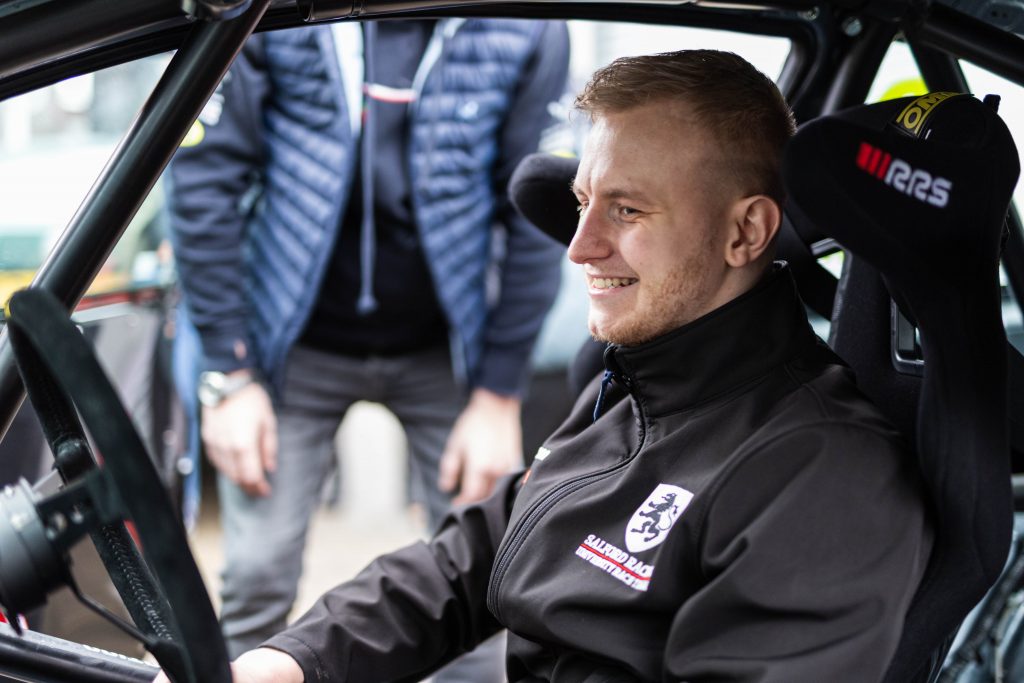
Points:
x=367 y=239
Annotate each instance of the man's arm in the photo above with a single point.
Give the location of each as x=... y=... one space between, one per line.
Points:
x=407 y=614
x=213 y=176
x=813 y=549
x=486 y=441
x=411 y=611
x=531 y=267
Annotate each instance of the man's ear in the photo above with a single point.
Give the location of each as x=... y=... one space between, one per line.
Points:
x=754 y=223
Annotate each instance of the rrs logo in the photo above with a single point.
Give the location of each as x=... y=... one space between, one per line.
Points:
x=901 y=176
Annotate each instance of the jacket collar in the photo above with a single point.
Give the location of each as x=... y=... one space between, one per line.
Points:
x=726 y=348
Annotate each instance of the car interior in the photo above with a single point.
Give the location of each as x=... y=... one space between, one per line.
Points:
x=931 y=260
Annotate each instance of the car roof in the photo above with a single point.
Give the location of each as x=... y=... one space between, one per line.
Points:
x=93 y=33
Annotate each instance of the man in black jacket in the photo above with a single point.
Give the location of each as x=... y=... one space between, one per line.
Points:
x=723 y=504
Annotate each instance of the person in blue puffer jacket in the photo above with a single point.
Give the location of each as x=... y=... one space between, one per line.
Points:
x=342 y=233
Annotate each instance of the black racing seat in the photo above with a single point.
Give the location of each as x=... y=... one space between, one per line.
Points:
x=917 y=190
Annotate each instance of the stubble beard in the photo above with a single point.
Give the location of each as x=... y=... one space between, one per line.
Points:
x=679 y=299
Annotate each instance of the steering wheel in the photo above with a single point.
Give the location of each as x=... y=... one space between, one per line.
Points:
x=164 y=594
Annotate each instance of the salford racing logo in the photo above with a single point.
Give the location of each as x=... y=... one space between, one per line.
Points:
x=901 y=176
x=650 y=523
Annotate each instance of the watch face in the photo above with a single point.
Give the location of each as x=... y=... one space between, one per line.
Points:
x=211 y=388
x=214 y=387
x=207 y=396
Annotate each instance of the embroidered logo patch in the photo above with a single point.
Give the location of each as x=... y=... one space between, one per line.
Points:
x=650 y=523
x=616 y=562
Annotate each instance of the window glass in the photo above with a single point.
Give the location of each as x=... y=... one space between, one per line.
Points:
x=898 y=75
x=594 y=44
x=53 y=144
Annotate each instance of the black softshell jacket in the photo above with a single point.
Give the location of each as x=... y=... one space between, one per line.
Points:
x=737 y=512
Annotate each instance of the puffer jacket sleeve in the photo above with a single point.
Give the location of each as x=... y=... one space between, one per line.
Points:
x=798 y=587
x=411 y=611
x=530 y=270
x=214 y=181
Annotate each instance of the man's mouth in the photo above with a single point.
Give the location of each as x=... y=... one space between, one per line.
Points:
x=612 y=282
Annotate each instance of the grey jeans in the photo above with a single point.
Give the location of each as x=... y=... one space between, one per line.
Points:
x=264 y=537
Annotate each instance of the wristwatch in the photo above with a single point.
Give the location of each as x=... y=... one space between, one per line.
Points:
x=215 y=387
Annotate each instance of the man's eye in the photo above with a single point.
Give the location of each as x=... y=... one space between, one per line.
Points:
x=580 y=208
x=628 y=212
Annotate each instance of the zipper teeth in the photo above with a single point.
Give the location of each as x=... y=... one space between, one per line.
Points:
x=542 y=506
x=530 y=521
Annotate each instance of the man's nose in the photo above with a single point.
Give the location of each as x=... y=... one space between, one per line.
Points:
x=591 y=240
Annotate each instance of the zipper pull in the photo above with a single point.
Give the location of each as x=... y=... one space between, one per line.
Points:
x=606 y=382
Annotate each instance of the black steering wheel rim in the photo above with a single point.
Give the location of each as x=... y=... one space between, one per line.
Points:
x=62 y=374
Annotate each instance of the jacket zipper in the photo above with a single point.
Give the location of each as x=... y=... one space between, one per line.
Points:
x=529 y=521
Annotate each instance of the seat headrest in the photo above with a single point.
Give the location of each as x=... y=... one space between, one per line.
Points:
x=541 y=190
x=917 y=186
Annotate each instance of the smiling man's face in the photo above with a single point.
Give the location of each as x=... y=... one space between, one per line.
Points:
x=653 y=212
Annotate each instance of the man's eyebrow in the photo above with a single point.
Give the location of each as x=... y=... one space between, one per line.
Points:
x=629 y=193
x=615 y=193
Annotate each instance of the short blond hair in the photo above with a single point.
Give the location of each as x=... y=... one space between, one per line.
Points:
x=738 y=105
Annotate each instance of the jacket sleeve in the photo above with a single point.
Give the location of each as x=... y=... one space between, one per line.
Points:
x=531 y=266
x=214 y=179
x=411 y=611
x=799 y=588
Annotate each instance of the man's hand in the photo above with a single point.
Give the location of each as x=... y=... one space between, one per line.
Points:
x=262 y=665
x=485 y=444
x=240 y=436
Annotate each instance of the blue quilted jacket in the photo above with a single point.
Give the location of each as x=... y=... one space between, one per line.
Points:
x=260 y=185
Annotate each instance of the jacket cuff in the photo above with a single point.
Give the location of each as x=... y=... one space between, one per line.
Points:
x=313 y=670
x=504 y=371
x=226 y=352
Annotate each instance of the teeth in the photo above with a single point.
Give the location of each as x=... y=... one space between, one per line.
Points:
x=612 y=282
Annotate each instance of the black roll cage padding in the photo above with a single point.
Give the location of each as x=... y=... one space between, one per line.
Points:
x=62 y=373
x=38 y=657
